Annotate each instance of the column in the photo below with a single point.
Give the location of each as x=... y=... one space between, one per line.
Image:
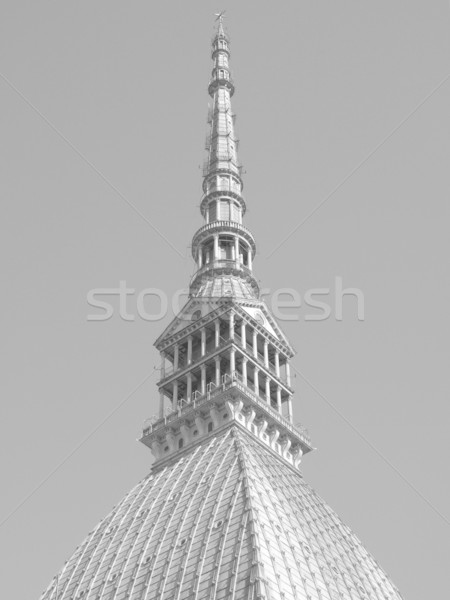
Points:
x=277 y=363
x=216 y=246
x=189 y=350
x=268 y=390
x=203 y=341
x=266 y=354
x=200 y=257
x=163 y=364
x=217 y=206
x=176 y=357
x=203 y=383
x=207 y=214
x=232 y=361
x=244 y=369
x=290 y=414
x=236 y=250
x=189 y=387
x=279 y=400
x=249 y=255
x=288 y=374
x=175 y=396
x=256 y=381
x=231 y=325
x=217 y=332
x=217 y=361
x=161 y=403
x=243 y=334
x=255 y=343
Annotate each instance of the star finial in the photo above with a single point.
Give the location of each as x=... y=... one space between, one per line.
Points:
x=219 y=17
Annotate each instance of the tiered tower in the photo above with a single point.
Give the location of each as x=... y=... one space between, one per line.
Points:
x=225 y=513
x=225 y=338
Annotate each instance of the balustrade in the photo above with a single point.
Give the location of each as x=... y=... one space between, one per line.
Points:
x=228 y=380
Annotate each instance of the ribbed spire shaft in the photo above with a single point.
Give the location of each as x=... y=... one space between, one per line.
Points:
x=223 y=246
x=222 y=147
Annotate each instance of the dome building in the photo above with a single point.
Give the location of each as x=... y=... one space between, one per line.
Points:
x=225 y=513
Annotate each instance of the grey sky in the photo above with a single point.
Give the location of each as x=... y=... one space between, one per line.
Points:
x=319 y=86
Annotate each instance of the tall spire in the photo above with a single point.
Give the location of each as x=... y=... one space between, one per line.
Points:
x=223 y=247
x=224 y=338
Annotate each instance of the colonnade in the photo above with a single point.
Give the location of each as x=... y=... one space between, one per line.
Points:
x=253 y=359
x=225 y=247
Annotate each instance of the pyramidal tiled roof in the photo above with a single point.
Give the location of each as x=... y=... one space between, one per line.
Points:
x=224 y=519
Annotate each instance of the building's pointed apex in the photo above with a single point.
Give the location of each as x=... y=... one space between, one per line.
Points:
x=220 y=28
x=223 y=248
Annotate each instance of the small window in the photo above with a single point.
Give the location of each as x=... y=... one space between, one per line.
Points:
x=218 y=524
x=182 y=542
x=225 y=415
x=210 y=426
x=148 y=559
x=166 y=449
x=180 y=443
x=195 y=432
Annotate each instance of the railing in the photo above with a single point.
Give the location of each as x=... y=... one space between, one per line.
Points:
x=304 y=431
x=225 y=224
x=227 y=264
x=228 y=380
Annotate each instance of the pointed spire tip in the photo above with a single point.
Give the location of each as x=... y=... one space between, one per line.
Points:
x=220 y=17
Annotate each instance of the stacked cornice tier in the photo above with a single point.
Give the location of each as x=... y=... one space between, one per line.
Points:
x=225 y=513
